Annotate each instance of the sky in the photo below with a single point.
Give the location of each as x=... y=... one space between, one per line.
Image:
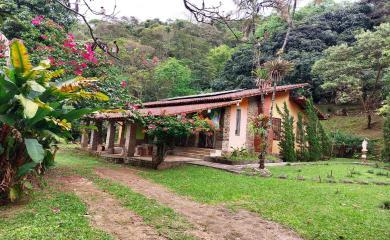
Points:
x=162 y=9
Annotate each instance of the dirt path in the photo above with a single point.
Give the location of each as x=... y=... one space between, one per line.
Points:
x=106 y=213
x=218 y=222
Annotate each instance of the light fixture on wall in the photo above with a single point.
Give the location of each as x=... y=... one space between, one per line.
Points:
x=208 y=110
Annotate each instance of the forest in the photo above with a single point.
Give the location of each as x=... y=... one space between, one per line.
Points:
x=159 y=59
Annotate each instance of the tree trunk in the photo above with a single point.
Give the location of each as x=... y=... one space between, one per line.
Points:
x=159 y=157
x=369 y=119
x=263 y=143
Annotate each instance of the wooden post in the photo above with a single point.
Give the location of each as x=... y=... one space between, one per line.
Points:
x=110 y=138
x=84 y=136
x=95 y=136
x=122 y=135
x=196 y=143
x=130 y=142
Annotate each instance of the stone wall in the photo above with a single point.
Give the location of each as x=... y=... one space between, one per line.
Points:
x=226 y=129
x=252 y=112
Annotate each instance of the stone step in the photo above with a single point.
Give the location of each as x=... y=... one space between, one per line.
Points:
x=190 y=155
x=193 y=150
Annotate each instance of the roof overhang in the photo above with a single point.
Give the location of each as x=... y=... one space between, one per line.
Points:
x=161 y=111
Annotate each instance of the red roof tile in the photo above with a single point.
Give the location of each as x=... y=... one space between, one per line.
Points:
x=188 y=108
x=221 y=97
x=168 y=110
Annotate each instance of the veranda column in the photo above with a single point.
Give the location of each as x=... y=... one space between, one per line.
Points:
x=84 y=136
x=130 y=142
x=122 y=134
x=95 y=135
x=196 y=143
x=110 y=139
x=226 y=129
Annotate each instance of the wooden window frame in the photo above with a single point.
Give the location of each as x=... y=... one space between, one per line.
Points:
x=277 y=128
x=238 y=122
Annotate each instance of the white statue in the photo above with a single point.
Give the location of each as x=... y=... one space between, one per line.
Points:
x=364 y=145
x=364 y=150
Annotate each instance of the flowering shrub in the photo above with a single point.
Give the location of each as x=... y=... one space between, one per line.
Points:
x=164 y=129
x=48 y=39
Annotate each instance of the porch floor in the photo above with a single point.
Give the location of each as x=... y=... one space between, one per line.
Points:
x=169 y=158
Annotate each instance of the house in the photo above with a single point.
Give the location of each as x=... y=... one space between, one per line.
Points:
x=230 y=111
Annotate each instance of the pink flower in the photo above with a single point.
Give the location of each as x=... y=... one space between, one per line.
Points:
x=78 y=71
x=152 y=127
x=123 y=83
x=69 y=42
x=83 y=65
x=155 y=60
x=90 y=54
x=51 y=59
x=37 y=20
x=44 y=37
x=71 y=36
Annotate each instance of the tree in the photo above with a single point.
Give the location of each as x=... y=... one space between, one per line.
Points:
x=385 y=112
x=312 y=133
x=302 y=154
x=325 y=142
x=355 y=73
x=287 y=141
x=35 y=113
x=217 y=58
x=316 y=28
x=173 y=79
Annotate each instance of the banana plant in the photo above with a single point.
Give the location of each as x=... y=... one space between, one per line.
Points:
x=35 y=114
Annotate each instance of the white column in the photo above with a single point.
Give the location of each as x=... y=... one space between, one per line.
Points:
x=110 y=139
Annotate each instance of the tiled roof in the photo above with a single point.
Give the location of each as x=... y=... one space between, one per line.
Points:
x=194 y=103
x=217 y=97
x=168 y=110
x=188 y=108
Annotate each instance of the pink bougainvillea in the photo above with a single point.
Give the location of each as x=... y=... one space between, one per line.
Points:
x=123 y=83
x=37 y=20
x=78 y=71
x=89 y=54
x=69 y=42
x=52 y=61
x=44 y=37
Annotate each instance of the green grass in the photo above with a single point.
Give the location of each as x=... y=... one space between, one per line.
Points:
x=356 y=125
x=165 y=220
x=315 y=210
x=49 y=215
x=336 y=171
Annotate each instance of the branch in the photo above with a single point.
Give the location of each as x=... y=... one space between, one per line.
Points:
x=96 y=40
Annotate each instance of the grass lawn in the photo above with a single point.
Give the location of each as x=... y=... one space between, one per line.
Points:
x=335 y=171
x=49 y=214
x=356 y=125
x=315 y=210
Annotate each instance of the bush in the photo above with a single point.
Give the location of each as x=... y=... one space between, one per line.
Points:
x=287 y=141
x=346 y=145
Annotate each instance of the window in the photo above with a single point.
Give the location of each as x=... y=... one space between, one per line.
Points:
x=238 y=122
x=277 y=127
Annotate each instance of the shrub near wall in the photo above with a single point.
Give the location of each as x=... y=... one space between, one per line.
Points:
x=346 y=145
